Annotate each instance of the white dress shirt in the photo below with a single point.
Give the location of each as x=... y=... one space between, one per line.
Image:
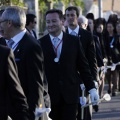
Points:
x=17 y=39
x=60 y=46
x=76 y=30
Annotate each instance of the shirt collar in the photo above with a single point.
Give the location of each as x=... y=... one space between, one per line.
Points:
x=76 y=29
x=59 y=36
x=19 y=36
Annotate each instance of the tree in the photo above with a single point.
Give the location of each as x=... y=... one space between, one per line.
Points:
x=74 y=2
x=43 y=6
x=11 y=2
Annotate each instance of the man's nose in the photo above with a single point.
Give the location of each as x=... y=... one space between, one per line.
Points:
x=50 y=24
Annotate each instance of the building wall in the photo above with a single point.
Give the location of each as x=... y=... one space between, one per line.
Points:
x=107 y=5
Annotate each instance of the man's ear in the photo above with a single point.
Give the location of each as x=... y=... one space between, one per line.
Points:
x=9 y=23
x=62 y=22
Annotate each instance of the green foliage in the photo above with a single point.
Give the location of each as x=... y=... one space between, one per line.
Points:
x=74 y=2
x=12 y=2
x=79 y=3
x=42 y=6
x=18 y=3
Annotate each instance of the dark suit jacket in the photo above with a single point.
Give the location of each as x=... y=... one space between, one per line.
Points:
x=63 y=79
x=89 y=49
x=29 y=60
x=35 y=36
x=2 y=41
x=113 y=54
x=11 y=92
x=99 y=56
x=115 y=51
x=102 y=42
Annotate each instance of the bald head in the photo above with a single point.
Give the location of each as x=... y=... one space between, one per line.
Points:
x=83 y=22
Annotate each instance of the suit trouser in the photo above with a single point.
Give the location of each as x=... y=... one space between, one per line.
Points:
x=113 y=78
x=101 y=88
x=63 y=111
x=119 y=81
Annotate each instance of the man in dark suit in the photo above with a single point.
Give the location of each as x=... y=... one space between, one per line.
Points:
x=30 y=24
x=88 y=44
x=62 y=64
x=28 y=56
x=11 y=92
x=2 y=40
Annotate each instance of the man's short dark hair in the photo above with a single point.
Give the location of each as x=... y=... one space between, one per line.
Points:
x=29 y=18
x=73 y=8
x=90 y=16
x=59 y=12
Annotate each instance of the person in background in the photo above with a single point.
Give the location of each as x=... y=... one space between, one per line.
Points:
x=83 y=22
x=99 y=55
x=99 y=27
x=113 y=18
x=90 y=17
x=88 y=44
x=11 y=92
x=118 y=44
x=30 y=24
x=115 y=55
x=109 y=36
x=2 y=40
x=28 y=56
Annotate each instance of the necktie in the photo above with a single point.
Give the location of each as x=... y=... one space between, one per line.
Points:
x=57 y=43
x=10 y=43
x=73 y=33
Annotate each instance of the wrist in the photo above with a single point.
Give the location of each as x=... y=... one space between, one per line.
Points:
x=92 y=90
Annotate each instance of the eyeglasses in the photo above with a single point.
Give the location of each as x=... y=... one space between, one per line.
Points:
x=3 y=21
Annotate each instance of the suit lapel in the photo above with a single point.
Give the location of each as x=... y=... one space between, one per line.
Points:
x=34 y=34
x=67 y=31
x=49 y=46
x=20 y=44
x=64 y=45
x=79 y=32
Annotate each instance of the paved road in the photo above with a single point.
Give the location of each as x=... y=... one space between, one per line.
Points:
x=108 y=110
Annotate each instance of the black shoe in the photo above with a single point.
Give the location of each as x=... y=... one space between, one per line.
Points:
x=109 y=91
x=113 y=94
x=96 y=108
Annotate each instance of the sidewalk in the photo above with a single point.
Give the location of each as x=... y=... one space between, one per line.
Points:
x=108 y=110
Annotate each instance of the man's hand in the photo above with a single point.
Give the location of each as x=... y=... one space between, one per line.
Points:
x=83 y=101
x=96 y=84
x=94 y=96
x=82 y=86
